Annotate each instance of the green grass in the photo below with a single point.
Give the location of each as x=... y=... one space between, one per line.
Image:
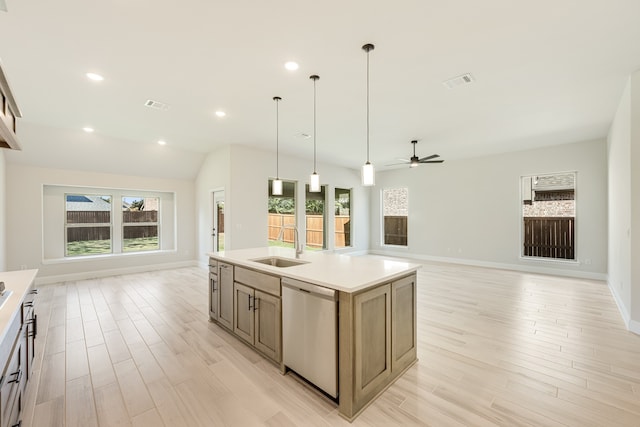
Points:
x=98 y=247
x=141 y=244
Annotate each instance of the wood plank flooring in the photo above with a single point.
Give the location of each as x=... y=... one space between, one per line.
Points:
x=496 y=348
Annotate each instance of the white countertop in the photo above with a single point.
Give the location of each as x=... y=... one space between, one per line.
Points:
x=344 y=273
x=18 y=282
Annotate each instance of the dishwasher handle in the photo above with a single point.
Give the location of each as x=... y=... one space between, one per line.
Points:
x=315 y=290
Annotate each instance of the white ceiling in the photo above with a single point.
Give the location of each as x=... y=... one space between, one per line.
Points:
x=547 y=72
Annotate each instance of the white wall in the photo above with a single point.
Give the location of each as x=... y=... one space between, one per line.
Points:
x=25 y=216
x=470 y=210
x=620 y=193
x=624 y=204
x=212 y=176
x=3 y=211
x=246 y=186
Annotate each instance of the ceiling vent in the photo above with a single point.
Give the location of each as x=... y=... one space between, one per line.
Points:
x=464 y=79
x=156 y=105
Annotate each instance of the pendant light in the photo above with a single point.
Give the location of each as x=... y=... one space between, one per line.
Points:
x=314 y=179
x=276 y=184
x=368 y=173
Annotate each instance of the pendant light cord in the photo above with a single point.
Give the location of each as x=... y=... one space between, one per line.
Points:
x=277 y=99
x=314 y=78
x=368 y=105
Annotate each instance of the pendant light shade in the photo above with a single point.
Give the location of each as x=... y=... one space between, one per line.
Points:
x=368 y=172
x=276 y=184
x=314 y=179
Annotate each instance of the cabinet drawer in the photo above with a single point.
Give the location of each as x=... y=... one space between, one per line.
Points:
x=261 y=281
x=213 y=266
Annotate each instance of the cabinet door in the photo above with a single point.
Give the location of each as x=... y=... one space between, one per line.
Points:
x=243 y=318
x=372 y=336
x=268 y=314
x=214 y=296
x=403 y=321
x=225 y=297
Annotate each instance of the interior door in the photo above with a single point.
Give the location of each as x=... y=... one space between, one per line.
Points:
x=217 y=232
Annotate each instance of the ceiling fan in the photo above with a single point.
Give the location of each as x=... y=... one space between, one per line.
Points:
x=415 y=160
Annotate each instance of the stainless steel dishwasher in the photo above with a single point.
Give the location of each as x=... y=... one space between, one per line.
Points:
x=310 y=333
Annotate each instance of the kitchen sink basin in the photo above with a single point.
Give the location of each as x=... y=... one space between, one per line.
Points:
x=276 y=261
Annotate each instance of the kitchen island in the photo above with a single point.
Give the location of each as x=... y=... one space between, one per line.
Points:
x=376 y=311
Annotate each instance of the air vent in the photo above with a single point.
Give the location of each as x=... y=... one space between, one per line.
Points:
x=464 y=79
x=156 y=105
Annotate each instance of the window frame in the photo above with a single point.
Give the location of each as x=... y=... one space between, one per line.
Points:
x=382 y=216
x=68 y=225
x=521 y=251
x=349 y=191
x=124 y=224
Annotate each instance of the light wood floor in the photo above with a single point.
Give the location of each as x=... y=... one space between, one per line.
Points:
x=495 y=348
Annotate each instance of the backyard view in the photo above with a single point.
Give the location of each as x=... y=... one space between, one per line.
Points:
x=89 y=224
x=282 y=218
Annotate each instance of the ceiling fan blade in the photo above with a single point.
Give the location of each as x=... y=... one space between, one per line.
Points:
x=395 y=164
x=433 y=156
x=430 y=161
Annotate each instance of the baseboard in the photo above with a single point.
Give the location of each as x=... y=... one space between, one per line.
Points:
x=501 y=266
x=45 y=280
x=626 y=317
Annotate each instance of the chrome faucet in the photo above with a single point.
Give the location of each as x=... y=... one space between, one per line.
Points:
x=296 y=238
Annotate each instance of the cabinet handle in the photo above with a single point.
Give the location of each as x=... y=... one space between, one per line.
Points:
x=249 y=302
x=18 y=425
x=18 y=377
x=256 y=301
x=34 y=322
x=213 y=286
x=28 y=304
x=34 y=292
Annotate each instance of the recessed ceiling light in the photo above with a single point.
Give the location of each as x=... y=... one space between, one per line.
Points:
x=162 y=142
x=88 y=129
x=220 y=113
x=291 y=66
x=95 y=77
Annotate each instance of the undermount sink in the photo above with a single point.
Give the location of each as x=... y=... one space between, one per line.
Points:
x=276 y=261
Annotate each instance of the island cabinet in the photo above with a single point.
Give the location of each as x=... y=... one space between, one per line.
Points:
x=377 y=338
x=225 y=295
x=257 y=311
x=214 y=288
x=376 y=306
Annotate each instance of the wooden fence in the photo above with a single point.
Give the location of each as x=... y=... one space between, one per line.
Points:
x=314 y=227
x=75 y=234
x=395 y=230
x=549 y=237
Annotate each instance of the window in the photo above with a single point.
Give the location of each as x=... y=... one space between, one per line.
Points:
x=395 y=212
x=549 y=213
x=282 y=215
x=316 y=218
x=140 y=224
x=87 y=224
x=342 y=217
x=80 y=222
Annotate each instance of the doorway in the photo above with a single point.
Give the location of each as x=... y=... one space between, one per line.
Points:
x=217 y=232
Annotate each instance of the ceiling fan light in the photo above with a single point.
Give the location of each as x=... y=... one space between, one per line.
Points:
x=414 y=164
x=368 y=175
x=314 y=183
x=276 y=187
